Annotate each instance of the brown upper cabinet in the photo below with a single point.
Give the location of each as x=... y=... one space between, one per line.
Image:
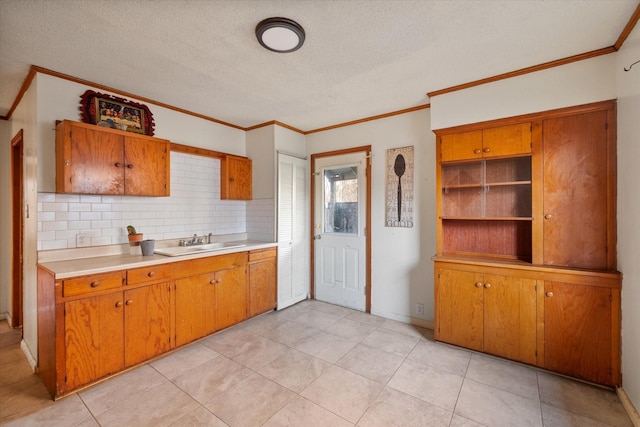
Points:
x=579 y=190
x=96 y=160
x=235 y=178
x=499 y=141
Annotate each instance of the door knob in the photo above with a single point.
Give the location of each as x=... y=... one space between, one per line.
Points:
x=549 y=294
x=487 y=285
x=318 y=236
x=479 y=284
x=547 y=216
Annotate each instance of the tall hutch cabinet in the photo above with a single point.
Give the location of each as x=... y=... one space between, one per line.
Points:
x=526 y=240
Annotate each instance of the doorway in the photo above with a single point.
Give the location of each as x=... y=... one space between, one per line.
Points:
x=341 y=212
x=17 y=202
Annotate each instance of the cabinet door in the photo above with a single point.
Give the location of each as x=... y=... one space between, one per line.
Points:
x=147 y=167
x=575 y=191
x=461 y=146
x=506 y=140
x=95 y=162
x=235 y=179
x=195 y=307
x=510 y=317
x=262 y=286
x=147 y=322
x=94 y=338
x=231 y=296
x=459 y=308
x=577 y=331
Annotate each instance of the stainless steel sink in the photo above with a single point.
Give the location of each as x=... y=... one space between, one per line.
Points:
x=196 y=249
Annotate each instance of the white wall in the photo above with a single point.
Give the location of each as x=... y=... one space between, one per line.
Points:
x=401 y=266
x=6 y=244
x=572 y=84
x=59 y=99
x=629 y=210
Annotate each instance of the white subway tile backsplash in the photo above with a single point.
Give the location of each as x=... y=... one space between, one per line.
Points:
x=193 y=207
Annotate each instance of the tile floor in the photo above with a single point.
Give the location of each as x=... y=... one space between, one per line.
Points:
x=314 y=364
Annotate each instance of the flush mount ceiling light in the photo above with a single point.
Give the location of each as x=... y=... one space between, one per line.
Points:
x=280 y=34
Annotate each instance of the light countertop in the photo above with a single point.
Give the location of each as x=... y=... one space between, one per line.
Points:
x=105 y=264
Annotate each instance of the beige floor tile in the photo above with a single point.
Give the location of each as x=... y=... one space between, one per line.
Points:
x=291 y=333
x=326 y=347
x=578 y=398
x=157 y=406
x=200 y=416
x=263 y=323
x=114 y=391
x=342 y=392
x=494 y=407
x=391 y=342
x=301 y=412
x=227 y=342
x=505 y=375
x=366 y=318
x=371 y=363
x=430 y=385
x=294 y=370
x=392 y=408
x=189 y=357
x=211 y=378
x=249 y=402
x=257 y=352
x=331 y=309
x=294 y=311
x=441 y=356
x=458 y=421
x=556 y=417
x=351 y=329
x=403 y=328
x=317 y=319
x=69 y=411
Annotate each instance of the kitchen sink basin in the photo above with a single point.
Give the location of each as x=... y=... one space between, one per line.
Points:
x=196 y=249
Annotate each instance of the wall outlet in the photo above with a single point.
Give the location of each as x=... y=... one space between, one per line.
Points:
x=419 y=308
x=83 y=240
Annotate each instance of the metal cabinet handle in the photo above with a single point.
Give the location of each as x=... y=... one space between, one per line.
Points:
x=549 y=294
x=487 y=285
x=479 y=284
x=129 y=302
x=476 y=151
x=486 y=150
x=119 y=304
x=151 y=273
x=95 y=284
x=118 y=164
x=129 y=166
x=547 y=216
x=212 y=281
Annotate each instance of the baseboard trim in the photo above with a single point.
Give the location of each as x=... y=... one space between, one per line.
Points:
x=628 y=406
x=27 y=352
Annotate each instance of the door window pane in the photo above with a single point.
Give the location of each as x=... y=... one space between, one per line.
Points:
x=341 y=200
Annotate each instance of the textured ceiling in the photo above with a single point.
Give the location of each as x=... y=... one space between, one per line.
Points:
x=360 y=58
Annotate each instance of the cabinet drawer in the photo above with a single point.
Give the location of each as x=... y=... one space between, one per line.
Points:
x=261 y=254
x=93 y=283
x=149 y=274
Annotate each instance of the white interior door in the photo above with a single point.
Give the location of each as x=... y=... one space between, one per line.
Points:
x=293 y=226
x=339 y=229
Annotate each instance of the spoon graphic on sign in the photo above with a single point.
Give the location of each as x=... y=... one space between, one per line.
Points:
x=399 y=168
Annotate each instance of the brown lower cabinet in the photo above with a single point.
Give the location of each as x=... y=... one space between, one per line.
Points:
x=90 y=327
x=563 y=320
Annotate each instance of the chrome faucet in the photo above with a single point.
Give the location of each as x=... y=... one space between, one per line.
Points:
x=195 y=239
x=209 y=237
